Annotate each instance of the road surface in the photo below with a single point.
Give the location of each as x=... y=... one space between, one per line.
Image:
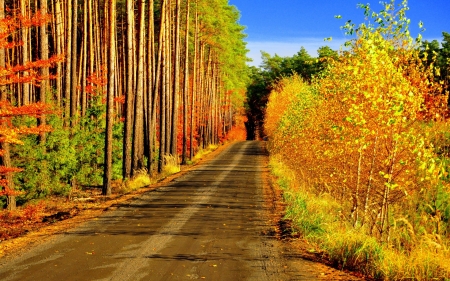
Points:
x=208 y=224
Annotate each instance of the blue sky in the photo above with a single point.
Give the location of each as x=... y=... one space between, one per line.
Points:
x=284 y=26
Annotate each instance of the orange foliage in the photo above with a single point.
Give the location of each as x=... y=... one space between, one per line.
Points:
x=18 y=74
x=238 y=132
x=97 y=81
x=14 y=223
x=28 y=72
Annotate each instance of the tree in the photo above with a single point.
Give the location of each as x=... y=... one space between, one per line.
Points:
x=106 y=190
x=138 y=128
x=360 y=128
x=30 y=72
x=439 y=56
x=186 y=85
x=129 y=94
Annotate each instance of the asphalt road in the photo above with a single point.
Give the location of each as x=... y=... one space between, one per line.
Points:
x=208 y=224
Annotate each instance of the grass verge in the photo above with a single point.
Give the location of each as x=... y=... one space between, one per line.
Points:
x=319 y=220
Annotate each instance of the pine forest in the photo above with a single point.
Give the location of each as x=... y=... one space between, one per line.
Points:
x=93 y=92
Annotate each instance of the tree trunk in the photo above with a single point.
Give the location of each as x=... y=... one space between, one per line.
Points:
x=25 y=56
x=186 y=85
x=150 y=86
x=74 y=91
x=369 y=182
x=138 y=130
x=68 y=70
x=107 y=176
x=84 y=58
x=163 y=92
x=168 y=79
x=129 y=95
x=44 y=71
x=194 y=86
x=176 y=84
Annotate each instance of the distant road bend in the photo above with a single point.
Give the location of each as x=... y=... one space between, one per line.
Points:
x=205 y=225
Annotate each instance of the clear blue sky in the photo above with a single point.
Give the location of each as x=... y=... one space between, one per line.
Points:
x=283 y=26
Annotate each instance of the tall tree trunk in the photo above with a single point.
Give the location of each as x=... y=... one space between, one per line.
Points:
x=91 y=19
x=168 y=79
x=129 y=95
x=74 y=91
x=367 y=200
x=68 y=70
x=99 y=60
x=107 y=175
x=150 y=86
x=138 y=130
x=44 y=71
x=176 y=84
x=162 y=96
x=194 y=86
x=186 y=85
x=84 y=58
x=25 y=52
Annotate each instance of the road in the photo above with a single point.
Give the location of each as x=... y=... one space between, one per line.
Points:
x=208 y=224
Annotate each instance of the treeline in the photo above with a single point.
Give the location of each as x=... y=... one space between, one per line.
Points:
x=265 y=78
x=437 y=54
x=366 y=141
x=148 y=82
x=273 y=68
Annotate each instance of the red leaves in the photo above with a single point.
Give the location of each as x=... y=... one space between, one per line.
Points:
x=120 y=99
x=15 y=223
x=434 y=107
x=15 y=21
x=7 y=191
x=36 y=109
x=27 y=73
x=97 y=81
x=38 y=19
x=4 y=170
x=19 y=74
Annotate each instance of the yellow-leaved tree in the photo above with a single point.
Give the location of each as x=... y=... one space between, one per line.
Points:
x=365 y=132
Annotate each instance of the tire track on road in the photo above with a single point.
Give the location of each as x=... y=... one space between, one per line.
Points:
x=137 y=260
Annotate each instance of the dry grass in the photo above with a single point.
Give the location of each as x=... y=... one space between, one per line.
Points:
x=203 y=152
x=140 y=179
x=318 y=219
x=171 y=166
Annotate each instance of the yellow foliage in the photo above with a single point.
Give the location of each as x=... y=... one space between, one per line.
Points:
x=366 y=133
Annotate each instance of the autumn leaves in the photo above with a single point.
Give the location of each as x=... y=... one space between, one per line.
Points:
x=363 y=132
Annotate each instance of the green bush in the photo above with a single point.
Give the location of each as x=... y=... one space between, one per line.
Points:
x=68 y=157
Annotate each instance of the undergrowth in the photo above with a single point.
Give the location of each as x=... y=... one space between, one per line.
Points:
x=318 y=219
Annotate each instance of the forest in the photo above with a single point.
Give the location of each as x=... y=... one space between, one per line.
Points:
x=96 y=92
x=359 y=142
x=99 y=93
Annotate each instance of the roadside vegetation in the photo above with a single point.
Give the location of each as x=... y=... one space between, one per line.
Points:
x=361 y=152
